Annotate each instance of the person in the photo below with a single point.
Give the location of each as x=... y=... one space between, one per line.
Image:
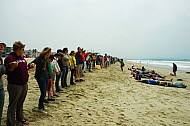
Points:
x=143 y=68
x=174 y=69
x=79 y=65
x=59 y=56
x=150 y=81
x=50 y=81
x=106 y=60
x=2 y=71
x=72 y=64
x=42 y=76
x=65 y=61
x=122 y=64
x=89 y=62
x=17 y=77
x=56 y=71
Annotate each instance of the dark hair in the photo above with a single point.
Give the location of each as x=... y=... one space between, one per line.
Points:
x=51 y=57
x=72 y=52
x=59 y=50
x=78 y=48
x=65 y=49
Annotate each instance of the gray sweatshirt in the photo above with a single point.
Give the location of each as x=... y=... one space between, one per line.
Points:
x=2 y=71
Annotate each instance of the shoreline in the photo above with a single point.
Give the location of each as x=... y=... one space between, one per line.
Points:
x=111 y=97
x=158 y=66
x=162 y=65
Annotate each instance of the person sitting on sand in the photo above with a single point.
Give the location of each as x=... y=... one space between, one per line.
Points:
x=143 y=68
x=138 y=76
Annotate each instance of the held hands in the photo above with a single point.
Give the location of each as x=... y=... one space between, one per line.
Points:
x=13 y=65
x=57 y=73
x=32 y=65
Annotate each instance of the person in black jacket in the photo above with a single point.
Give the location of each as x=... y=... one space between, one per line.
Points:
x=42 y=75
x=59 y=57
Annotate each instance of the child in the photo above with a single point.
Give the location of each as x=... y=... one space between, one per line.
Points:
x=50 y=81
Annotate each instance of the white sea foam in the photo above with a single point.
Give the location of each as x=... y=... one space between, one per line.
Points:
x=181 y=64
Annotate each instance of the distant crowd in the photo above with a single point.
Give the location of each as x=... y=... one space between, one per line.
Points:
x=51 y=73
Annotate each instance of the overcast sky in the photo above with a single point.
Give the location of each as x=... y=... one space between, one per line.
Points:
x=123 y=28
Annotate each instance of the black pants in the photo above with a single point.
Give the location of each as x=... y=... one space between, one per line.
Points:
x=72 y=75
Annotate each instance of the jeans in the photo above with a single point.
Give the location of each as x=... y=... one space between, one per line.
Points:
x=89 y=67
x=57 y=87
x=64 y=76
x=43 y=84
x=17 y=95
x=72 y=74
x=2 y=98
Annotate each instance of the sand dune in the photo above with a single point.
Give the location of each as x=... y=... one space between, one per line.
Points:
x=110 y=97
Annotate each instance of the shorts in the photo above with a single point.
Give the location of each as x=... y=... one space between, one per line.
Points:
x=79 y=68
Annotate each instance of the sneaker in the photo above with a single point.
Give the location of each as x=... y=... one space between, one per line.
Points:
x=72 y=83
x=77 y=81
x=82 y=80
x=51 y=99
x=43 y=110
x=59 y=91
x=55 y=95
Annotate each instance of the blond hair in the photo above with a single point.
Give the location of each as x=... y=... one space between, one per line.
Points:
x=45 y=51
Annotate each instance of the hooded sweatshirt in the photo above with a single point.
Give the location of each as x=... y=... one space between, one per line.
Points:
x=19 y=76
x=2 y=71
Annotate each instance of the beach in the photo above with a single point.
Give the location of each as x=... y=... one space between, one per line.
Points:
x=110 y=97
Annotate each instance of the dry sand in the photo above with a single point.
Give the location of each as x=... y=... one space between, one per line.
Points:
x=110 y=97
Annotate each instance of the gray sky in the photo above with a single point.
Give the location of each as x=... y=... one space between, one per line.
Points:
x=123 y=28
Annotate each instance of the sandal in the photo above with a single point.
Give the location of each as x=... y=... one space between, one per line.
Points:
x=56 y=95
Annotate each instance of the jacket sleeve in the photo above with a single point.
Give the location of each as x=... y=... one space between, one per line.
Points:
x=35 y=61
x=2 y=70
x=7 y=60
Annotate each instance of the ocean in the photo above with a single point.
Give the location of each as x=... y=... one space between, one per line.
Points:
x=181 y=64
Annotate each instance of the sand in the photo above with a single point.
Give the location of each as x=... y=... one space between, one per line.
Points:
x=110 y=97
